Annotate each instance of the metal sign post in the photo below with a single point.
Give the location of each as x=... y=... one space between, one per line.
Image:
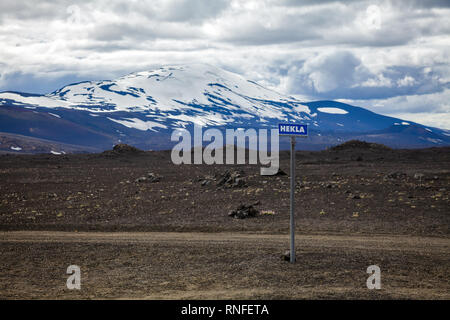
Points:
x=292 y=226
x=292 y=130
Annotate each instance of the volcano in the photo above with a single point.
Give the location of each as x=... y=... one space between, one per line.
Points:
x=142 y=109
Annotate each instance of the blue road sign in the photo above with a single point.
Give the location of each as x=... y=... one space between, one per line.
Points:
x=292 y=129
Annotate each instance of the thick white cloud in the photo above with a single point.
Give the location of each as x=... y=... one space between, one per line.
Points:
x=393 y=54
x=342 y=74
x=327 y=72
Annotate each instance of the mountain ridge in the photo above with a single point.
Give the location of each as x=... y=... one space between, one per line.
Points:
x=142 y=109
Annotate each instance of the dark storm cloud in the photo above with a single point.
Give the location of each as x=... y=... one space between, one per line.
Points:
x=403 y=3
x=282 y=28
x=189 y=11
x=354 y=23
x=125 y=30
x=425 y=4
x=266 y=22
x=26 y=10
x=302 y=3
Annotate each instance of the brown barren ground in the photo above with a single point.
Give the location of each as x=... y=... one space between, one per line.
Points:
x=355 y=206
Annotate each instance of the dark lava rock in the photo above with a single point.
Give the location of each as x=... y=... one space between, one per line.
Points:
x=123 y=149
x=357 y=144
x=243 y=212
x=151 y=177
x=287 y=256
x=231 y=180
x=228 y=179
x=280 y=173
x=395 y=175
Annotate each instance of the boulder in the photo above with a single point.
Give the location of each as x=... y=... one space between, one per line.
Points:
x=287 y=256
x=281 y=173
x=395 y=176
x=125 y=148
x=244 y=211
x=151 y=177
x=228 y=179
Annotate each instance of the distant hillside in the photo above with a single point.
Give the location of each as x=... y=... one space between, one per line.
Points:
x=142 y=109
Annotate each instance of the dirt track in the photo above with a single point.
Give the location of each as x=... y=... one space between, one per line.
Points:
x=220 y=266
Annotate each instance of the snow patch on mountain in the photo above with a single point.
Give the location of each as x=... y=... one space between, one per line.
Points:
x=332 y=110
x=47 y=101
x=139 y=124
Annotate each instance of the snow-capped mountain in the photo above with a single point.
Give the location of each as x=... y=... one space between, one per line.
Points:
x=143 y=108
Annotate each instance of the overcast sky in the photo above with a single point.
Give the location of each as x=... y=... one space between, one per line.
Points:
x=391 y=57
